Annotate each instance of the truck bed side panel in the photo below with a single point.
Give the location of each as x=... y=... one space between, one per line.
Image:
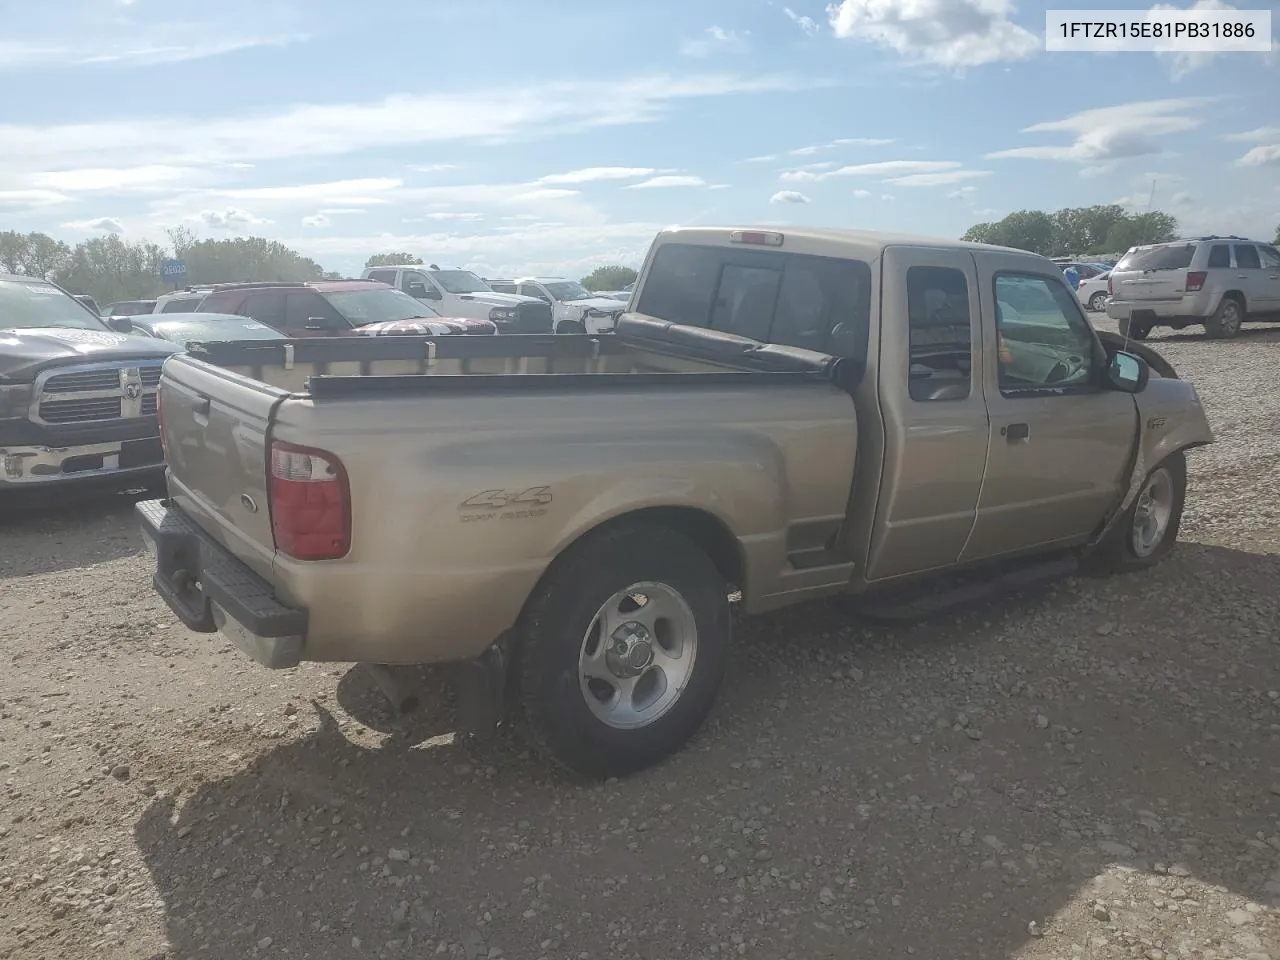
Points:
x=461 y=502
x=216 y=434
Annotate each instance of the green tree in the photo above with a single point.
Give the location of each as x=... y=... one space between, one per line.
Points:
x=35 y=254
x=1083 y=230
x=979 y=233
x=1153 y=227
x=247 y=259
x=1277 y=239
x=110 y=268
x=13 y=251
x=390 y=260
x=1024 y=229
x=608 y=278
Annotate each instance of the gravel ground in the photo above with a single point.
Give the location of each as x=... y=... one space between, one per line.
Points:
x=1090 y=771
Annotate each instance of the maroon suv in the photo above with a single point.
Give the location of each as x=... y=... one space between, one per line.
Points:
x=336 y=308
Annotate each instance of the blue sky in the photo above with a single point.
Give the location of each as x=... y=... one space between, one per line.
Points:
x=552 y=137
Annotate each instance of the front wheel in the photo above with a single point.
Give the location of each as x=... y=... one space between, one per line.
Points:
x=1147 y=532
x=624 y=648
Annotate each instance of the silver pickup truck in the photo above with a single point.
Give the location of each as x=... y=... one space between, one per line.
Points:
x=783 y=416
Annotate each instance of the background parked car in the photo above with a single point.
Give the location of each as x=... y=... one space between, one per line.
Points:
x=182 y=301
x=128 y=308
x=331 y=308
x=574 y=308
x=89 y=302
x=183 y=328
x=1093 y=292
x=460 y=293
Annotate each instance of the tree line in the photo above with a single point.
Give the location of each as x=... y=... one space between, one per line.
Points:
x=111 y=268
x=1076 y=231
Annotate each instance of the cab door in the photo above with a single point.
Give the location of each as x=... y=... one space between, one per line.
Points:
x=1060 y=444
x=934 y=411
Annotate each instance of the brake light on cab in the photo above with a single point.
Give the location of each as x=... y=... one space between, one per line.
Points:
x=1195 y=280
x=310 y=502
x=761 y=238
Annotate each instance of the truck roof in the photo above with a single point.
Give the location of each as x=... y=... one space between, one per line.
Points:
x=866 y=243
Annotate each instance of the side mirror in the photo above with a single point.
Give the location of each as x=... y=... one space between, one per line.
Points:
x=416 y=288
x=432 y=293
x=1127 y=373
x=319 y=323
x=120 y=324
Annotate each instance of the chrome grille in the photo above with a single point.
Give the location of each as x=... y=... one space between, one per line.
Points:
x=96 y=392
x=81 y=411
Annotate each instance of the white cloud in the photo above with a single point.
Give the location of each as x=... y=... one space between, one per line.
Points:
x=894 y=167
x=807 y=24
x=142 y=54
x=32 y=198
x=316 y=220
x=937 y=179
x=719 y=186
x=1182 y=199
x=459 y=216
x=1264 y=156
x=886 y=196
x=964 y=193
x=1186 y=62
x=948 y=33
x=667 y=181
x=767 y=158
x=592 y=174
x=99 y=225
x=116 y=180
x=316 y=130
x=365 y=190
x=713 y=40
x=232 y=218
x=432 y=167
x=789 y=196
x=1112 y=133
x=863 y=141
x=1256 y=135
x=861 y=194
x=536 y=196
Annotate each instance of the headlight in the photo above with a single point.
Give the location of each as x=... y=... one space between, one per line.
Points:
x=499 y=314
x=15 y=400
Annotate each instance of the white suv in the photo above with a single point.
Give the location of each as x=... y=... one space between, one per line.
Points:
x=454 y=292
x=1219 y=282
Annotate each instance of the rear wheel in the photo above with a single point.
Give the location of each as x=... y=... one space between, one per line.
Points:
x=1097 y=302
x=1133 y=329
x=1226 y=320
x=623 y=650
x=1149 y=529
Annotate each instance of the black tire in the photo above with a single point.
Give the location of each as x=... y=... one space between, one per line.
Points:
x=556 y=713
x=1133 y=330
x=1226 y=320
x=571 y=326
x=1097 y=302
x=1117 y=552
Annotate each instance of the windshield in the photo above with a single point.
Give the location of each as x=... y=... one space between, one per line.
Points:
x=377 y=306
x=568 y=290
x=461 y=281
x=25 y=304
x=1157 y=258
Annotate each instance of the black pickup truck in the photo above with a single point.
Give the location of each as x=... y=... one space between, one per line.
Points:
x=77 y=397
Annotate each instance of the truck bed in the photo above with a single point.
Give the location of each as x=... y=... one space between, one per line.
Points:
x=645 y=351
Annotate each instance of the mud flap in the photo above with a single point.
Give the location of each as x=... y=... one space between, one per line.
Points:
x=480 y=691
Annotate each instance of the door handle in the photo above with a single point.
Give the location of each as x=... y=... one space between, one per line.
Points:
x=201 y=407
x=1015 y=432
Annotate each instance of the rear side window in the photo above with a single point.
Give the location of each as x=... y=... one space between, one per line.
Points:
x=267 y=307
x=1158 y=258
x=819 y=303
x=228 y=302
x=941 y=334
x=307 y=309
x=1219 y=256
x=1247 y=257
x=1270 y=257
x=385 y=276
x=183 y=305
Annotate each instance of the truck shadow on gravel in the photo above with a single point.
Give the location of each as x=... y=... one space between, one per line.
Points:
x=94 y=525
x=859 y=791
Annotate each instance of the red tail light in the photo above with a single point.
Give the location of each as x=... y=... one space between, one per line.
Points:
x=310 y=502
x=1195 y=280
x=164 y=447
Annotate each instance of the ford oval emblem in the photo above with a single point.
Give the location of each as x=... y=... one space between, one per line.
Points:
x=249 y=503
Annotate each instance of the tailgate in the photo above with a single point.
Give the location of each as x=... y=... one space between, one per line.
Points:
x=215 y=430
x=1153 y=285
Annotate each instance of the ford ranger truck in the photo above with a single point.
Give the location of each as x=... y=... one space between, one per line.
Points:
x=77 y=398
x=785 y=415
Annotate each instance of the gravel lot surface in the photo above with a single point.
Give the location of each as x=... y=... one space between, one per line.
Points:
x=1090 y=771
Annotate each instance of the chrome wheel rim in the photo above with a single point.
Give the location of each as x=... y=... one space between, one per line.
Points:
x=637 y=656
x=1152 y=513
x=1095 y=304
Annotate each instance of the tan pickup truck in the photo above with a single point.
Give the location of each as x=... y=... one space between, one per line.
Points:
x=784 y=416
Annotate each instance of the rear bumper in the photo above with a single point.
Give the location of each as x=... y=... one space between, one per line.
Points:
x=211 y=591
x=34 y=465
x=1193 y=308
